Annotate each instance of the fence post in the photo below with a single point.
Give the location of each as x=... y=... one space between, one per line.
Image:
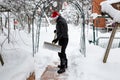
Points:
x=110 y=43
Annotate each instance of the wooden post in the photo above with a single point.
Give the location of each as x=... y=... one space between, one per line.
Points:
x=110 y=43
x=1 y=60
x=31 y=77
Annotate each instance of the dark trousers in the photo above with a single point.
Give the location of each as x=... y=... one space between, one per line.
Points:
x=63 y=42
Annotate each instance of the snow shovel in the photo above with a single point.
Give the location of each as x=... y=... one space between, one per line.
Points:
x=52 y=46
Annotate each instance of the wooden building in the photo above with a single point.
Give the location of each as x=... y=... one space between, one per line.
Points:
x=96 y=8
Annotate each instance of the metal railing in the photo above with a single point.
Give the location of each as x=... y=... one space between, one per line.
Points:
x=104 y=42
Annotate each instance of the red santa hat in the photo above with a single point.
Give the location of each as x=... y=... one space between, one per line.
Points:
x=55 y=14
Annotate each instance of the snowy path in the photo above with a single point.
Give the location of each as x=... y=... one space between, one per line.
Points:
x=90 y=67
x=19 y=61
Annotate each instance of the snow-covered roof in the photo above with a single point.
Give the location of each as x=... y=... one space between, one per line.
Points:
x=108 y=8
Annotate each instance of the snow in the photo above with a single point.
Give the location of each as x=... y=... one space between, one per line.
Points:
x=94 y=15
x=19 y=61
x=90 y=67
x=107 y=7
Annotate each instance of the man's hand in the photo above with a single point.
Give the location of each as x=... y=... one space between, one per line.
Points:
x=55 y=41
x=55 y=31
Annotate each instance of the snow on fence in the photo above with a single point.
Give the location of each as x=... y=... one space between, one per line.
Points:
x=103 y=42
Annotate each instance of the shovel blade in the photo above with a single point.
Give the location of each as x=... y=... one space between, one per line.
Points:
x=51 y=46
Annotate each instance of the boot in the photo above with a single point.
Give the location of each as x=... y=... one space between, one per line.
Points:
x=59 y=66
x=61 y=55
x=62 y=68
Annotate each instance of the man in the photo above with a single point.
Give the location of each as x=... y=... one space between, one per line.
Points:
x=62 y=39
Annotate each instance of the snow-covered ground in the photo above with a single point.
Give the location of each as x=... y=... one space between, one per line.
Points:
x=90 y=67
x=17 y=56
x=19 y=61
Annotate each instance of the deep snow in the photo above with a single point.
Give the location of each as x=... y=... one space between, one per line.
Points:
x=19 y=61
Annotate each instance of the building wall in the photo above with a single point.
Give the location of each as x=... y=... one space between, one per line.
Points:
x=96 y=8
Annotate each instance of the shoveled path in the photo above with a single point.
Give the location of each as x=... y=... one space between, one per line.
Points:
x=50 y=73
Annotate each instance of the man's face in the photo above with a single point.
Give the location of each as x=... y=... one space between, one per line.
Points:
x=55 y=18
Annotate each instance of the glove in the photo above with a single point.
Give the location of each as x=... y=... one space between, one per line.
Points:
x=55 y=41
x=55 y=31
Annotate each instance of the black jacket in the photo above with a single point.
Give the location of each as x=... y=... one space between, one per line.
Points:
x=61 y=28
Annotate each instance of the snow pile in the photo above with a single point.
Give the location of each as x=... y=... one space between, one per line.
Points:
x=18 y=66
x=107 y=7
x=18 y=60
